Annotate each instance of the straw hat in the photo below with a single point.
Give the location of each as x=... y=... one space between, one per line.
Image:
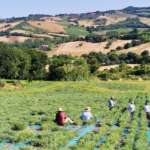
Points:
x=60 y=109
x=88 y=108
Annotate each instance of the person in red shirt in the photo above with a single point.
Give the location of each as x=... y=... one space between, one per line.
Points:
x=61 y=118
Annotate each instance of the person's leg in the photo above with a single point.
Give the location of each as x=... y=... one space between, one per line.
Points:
x=84 y=123
x=149 y=123
x=110 y=108
x=68 y=120
x=132 y=115
x=148 y=118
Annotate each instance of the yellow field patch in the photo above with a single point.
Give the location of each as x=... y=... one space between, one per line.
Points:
x=12 y=39
x=86 y=23
x=7 y=26
x=49 y=26
x=145 y=20
x=79 y=48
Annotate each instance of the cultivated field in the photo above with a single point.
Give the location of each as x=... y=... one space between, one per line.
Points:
x=137 y=49
x=145 y=20
x=86 y=22
x=49 y=26
x=27 y=114
x=7 y=26
x=79 y=48
x=12 y=39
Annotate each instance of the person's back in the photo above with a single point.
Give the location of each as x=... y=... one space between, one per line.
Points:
x=147 y=111
x=111 y=103
x=131 y=107
x=60 y=118
x=86 y=115
x=147 y=108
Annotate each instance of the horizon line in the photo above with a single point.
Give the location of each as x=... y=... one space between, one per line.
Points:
x=69 y=13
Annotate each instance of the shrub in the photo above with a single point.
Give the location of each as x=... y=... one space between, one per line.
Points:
x=104 y=76
x=39 y=143
x=2 y=83
x=25 y=134
x=68 y=68
x=18 y=126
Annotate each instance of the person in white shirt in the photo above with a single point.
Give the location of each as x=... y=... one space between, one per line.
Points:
x=147 y=111
x=131 y=109
x=111 y=103
x=86 y=115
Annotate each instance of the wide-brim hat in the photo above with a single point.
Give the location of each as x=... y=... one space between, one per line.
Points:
x=88 y=108
x=60 y=109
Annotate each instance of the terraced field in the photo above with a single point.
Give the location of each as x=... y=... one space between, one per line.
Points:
x=27 y=113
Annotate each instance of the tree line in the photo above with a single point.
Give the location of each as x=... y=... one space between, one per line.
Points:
x=20 y=64
x=95 y=60
x=29 y=64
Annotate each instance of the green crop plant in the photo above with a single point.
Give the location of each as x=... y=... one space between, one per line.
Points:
x=36 y=103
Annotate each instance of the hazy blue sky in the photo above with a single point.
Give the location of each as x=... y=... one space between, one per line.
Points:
x=9 y=8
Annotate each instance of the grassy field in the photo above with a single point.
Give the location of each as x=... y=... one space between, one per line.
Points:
x=36 y=103
x=76 y=31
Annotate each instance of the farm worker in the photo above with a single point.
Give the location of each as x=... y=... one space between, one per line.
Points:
x=131 y=109
x=62 y=118
x=86 y=115
x=111 y=103
x=147 y=111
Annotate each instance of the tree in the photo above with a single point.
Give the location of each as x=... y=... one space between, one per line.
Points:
x=14 y=64
x=113 y=58
x=145 y=58
x=132 y=58
x=38 y=62
x=68 y=68
x=94 y=38
x=145 y=53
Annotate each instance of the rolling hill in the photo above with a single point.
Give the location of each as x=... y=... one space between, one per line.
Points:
x=79 y=48
x=69 y=30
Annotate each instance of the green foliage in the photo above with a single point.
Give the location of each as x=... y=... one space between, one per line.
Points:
x=14 y=63
x=38 y=62
x=124 y=71
x=68 y=68
x=133 y=23
x=112 y=34
x=73 y=97
x=114 y=58
x=76 y=31
x=94 y=38
x=21 y=64
x=18 y=126
x=27 y=27
x=24 y=135
x=145 y=36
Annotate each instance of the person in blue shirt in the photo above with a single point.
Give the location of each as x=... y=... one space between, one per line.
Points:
x=86 y=115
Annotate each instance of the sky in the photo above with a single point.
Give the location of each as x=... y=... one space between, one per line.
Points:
x=17 y=8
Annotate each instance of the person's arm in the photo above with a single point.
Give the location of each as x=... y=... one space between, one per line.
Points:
x=129 y=108
x=144 y=108
x=65 y=115
x=91 y=116
x=81 y=116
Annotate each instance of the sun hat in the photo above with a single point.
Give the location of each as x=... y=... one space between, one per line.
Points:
x=88 y=108
x=60 y=109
